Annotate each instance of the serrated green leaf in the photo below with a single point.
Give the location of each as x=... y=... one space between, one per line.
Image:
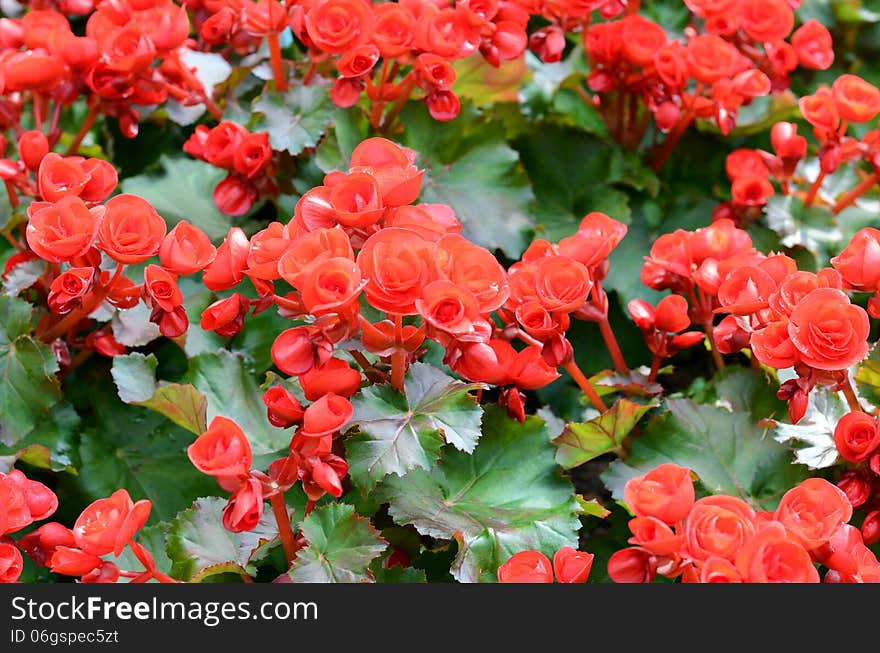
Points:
x=28 y=385
x=507 y=496
x=727 y=450
x=295 y=119
x=184 y=190
x=341 y=546
x=232 y=392
x=580 y=442
x=199 y=546
x=400 y=433
x=469 y=167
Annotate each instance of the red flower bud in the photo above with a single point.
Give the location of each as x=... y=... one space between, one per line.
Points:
x=333 y=377
x=228 y=266
x=871 y=528
x=327 y=415
x=571 y=565
x=245 y=507
x=283 y=409
x=226 y=316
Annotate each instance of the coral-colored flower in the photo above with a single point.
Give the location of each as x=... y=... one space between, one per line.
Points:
x=718 y=526
x=859 y=262
x=69 y=289
x=108 y=525
x=333 y=377
x=327 y=415
x=397 y=265
x=773 y=556
x=63 y=230
x=856 y=99
x=336 y=26
x=813 y=44
x=856 y=436
x=526 y=567
x=392 y=166
x=131 y=230
x=828 y=331
x=813 y=510
x=186 y=249
x=222 y=450
x=666 y=492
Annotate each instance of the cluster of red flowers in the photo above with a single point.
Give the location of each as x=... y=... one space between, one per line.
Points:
x=789 y=318
x=246 y=156
x=857 y=438
x=411 y=261
x=416 y=36
x=722 y=539
x=569 y=566
x=106 y=527
x=733 y=53
x=73 y=225
x=22 y=502
x=830 y=111
x=130 y=56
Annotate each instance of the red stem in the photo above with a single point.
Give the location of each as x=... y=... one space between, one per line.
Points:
x=850 y=394
x=277 y=61
x=585 y=385
x=854 y=194
x=398 y=358
x=613 y=348
x=285 y=530
x=84 y=128
x=655 y=368
x=814 y=188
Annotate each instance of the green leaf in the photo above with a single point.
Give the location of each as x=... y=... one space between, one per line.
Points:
x=341 y=546
x=28 y=385
x=232 y=392
x=868 y=377
x=727 y=450
x=484 y=84
x=184 y=190
x=578 y=113
x=469 y=166
x=581 y=442
x=199 y=546
x=810 y=227
x=507 y=496
x=400 y=433
x=134 y=375
x=128 y=447
x=52 y=444
x=295 y=119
